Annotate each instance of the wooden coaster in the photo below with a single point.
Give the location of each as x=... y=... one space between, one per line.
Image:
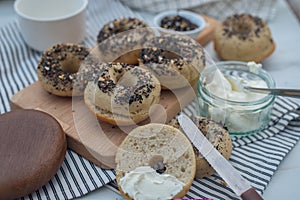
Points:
x=33 y=147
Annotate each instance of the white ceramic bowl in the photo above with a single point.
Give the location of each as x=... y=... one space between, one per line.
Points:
x=193 y=17
x=44 y=23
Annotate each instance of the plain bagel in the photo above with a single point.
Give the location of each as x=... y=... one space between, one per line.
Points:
x=58 y=69
x=122 y=94
x=161 y=147
x=217 y=135
x=243 y=37
x=175 y=60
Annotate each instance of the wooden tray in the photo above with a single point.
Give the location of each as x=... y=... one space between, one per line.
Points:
x=96 y=141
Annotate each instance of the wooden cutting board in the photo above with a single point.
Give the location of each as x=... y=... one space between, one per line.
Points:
x=95 y=140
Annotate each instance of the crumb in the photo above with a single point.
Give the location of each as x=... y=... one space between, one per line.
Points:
x=223 y=183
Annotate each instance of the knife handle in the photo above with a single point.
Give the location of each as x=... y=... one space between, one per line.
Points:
x=251 y=194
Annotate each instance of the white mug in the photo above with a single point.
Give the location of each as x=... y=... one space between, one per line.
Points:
x=44 y=23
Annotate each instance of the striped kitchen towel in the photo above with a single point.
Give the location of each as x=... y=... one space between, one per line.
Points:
x=256 y=157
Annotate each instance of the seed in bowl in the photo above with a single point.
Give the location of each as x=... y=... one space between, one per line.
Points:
x=177 y=23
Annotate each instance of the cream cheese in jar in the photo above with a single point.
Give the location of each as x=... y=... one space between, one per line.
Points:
x=233 y=88
x=223 y=99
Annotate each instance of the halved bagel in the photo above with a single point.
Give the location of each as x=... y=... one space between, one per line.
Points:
x=217 y=135
x=163 y=148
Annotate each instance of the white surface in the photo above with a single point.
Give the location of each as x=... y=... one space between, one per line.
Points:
x=284 y=65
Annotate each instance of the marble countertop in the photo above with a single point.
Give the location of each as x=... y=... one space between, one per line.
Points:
x=283 y=65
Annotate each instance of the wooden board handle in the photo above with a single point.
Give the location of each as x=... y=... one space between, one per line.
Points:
x=251 y=194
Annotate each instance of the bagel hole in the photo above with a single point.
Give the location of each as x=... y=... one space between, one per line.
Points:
x=170 y=55
x=242 y=28
x=127 y=79
x=130 y=57
x=156 y=162
x=157 y=113
x=70 y=66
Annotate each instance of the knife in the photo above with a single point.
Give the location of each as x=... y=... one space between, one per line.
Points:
x=230 y=175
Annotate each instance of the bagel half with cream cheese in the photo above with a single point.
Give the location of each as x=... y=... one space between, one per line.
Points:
x=161 y=152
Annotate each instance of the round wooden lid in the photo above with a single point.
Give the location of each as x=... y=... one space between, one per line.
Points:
x=32 y=149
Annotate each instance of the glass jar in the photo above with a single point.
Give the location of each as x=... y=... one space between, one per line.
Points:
x=240 y=117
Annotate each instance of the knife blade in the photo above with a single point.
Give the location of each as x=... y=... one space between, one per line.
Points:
x=230 y=175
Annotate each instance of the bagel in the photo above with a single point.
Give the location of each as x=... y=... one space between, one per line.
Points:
x=175 y=60
x=58 y=69
x=217 y=135
x=243 y=37
x=122 y=94
x=121 y=40
x=155 y=151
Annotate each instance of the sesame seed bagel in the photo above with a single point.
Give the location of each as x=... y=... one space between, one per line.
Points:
x=121 y=40
x=122 y=94
x=160 y=146
x=217 y=135
x=58 y=69
x=243 y=37
x=175 y=60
